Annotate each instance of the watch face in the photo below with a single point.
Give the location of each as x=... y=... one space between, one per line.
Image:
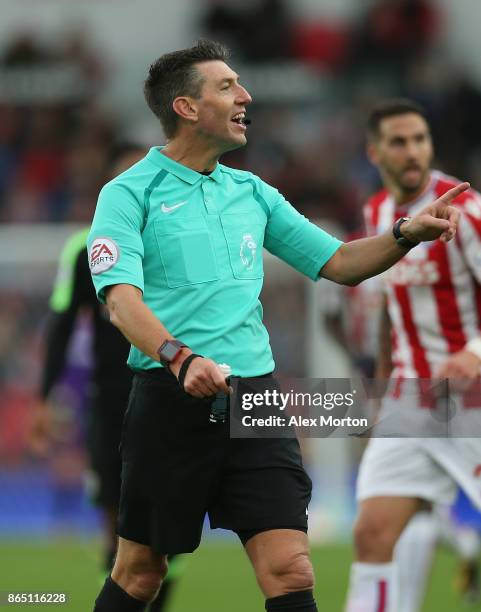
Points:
x=169 y=351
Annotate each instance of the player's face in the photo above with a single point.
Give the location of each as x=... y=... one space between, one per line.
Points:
x=403 y=151
x=221 y=106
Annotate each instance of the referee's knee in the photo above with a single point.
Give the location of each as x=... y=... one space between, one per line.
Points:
x=144 y=586
x=293 y=573
x=140 y=581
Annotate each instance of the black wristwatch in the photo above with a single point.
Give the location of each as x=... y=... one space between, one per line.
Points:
x=168 y=351
x=400 y=239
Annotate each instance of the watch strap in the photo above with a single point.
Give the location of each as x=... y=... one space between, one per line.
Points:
x=185 y=366
x=400 y=239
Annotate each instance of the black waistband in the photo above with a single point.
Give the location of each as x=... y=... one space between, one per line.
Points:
x=162 y=373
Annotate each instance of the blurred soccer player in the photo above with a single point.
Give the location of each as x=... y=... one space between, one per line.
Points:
x=351 y=316
x=74 y=293
x=433 y=315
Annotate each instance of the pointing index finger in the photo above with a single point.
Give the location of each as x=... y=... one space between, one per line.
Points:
x=453 y=193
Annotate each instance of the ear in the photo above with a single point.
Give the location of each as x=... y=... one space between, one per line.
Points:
x=185 y=108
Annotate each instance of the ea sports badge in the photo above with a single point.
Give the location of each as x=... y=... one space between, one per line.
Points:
x=103 y=254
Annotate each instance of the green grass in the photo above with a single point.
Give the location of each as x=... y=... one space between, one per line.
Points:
x=216 y=578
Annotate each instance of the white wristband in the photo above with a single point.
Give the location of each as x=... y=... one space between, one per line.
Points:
x=474 y=346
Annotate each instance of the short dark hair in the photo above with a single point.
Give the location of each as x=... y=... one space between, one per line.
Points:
x=391 y=108
x=174 y=74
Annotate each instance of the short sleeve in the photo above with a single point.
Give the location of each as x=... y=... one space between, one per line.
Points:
x=469 y=236
x=115 y=246
x=295 y=239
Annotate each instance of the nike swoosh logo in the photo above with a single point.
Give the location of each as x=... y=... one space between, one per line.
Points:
x=168 y=209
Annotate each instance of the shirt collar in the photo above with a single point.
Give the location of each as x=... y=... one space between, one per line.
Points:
x=179 y=170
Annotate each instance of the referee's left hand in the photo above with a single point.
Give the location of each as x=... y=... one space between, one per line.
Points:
x=203 y=378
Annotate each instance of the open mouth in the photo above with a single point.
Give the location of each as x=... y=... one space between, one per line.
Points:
x=240 y=118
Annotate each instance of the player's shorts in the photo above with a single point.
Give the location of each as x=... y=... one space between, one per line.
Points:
x=178 y=467
x=427 y=468
x=107 y=408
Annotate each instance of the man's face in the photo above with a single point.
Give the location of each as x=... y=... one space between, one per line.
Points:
x=403 y=151
x=222 y=106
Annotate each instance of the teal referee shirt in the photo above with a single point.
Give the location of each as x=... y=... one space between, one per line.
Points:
x=193 y=245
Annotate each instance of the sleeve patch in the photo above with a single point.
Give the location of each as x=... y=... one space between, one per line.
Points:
x=104 y=253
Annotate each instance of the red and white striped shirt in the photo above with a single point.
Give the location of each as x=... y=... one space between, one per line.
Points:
x=434 y=292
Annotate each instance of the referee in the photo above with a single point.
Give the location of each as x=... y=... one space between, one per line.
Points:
x=175 y=251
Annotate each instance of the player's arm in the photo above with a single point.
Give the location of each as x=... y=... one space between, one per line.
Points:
x=65 y=304
x=384 y=355
x=360 y=259
x=143 y=329
x=59 y=331
x=383 y=366
x=57 y=337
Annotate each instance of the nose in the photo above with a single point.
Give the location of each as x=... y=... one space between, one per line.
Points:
x=243 y=96
x=412 y=150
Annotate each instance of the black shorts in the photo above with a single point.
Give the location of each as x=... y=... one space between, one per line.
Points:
x=108 y=404
x=177 y=466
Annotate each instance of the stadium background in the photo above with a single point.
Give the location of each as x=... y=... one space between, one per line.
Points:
x=70 y=88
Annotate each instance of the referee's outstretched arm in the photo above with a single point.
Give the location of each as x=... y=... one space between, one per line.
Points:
x=355 y=261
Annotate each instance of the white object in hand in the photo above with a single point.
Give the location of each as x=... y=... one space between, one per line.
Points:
x=225 y=369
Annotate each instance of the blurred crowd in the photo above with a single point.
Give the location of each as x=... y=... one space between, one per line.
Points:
x=55 y=142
